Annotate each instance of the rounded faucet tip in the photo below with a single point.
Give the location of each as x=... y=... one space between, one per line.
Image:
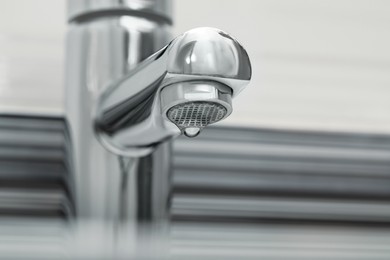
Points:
x=211 y=52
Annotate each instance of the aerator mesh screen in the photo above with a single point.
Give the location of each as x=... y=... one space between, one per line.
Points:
x=196 y=114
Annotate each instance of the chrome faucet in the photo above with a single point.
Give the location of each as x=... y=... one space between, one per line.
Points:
x=181 y=88
x=127 y=96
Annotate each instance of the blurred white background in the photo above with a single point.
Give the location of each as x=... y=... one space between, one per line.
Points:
x=316 y=64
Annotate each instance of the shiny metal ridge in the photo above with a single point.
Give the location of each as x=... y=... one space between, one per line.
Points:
x=156 y=10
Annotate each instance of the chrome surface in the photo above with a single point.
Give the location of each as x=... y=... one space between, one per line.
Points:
x=158 y=10
x=203 y=64
x=122 y=87
x=111 y=188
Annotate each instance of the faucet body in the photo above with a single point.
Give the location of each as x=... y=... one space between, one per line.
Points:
x=130 y=90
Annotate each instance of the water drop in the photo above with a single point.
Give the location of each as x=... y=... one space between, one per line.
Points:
x=191 y=131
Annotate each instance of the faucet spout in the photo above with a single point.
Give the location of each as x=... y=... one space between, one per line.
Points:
x=181 y=88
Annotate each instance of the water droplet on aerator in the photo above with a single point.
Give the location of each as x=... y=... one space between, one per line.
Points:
x=191 y=131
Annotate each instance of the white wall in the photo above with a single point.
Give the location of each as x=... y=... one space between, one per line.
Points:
x=31 y=55
x=316 y=64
